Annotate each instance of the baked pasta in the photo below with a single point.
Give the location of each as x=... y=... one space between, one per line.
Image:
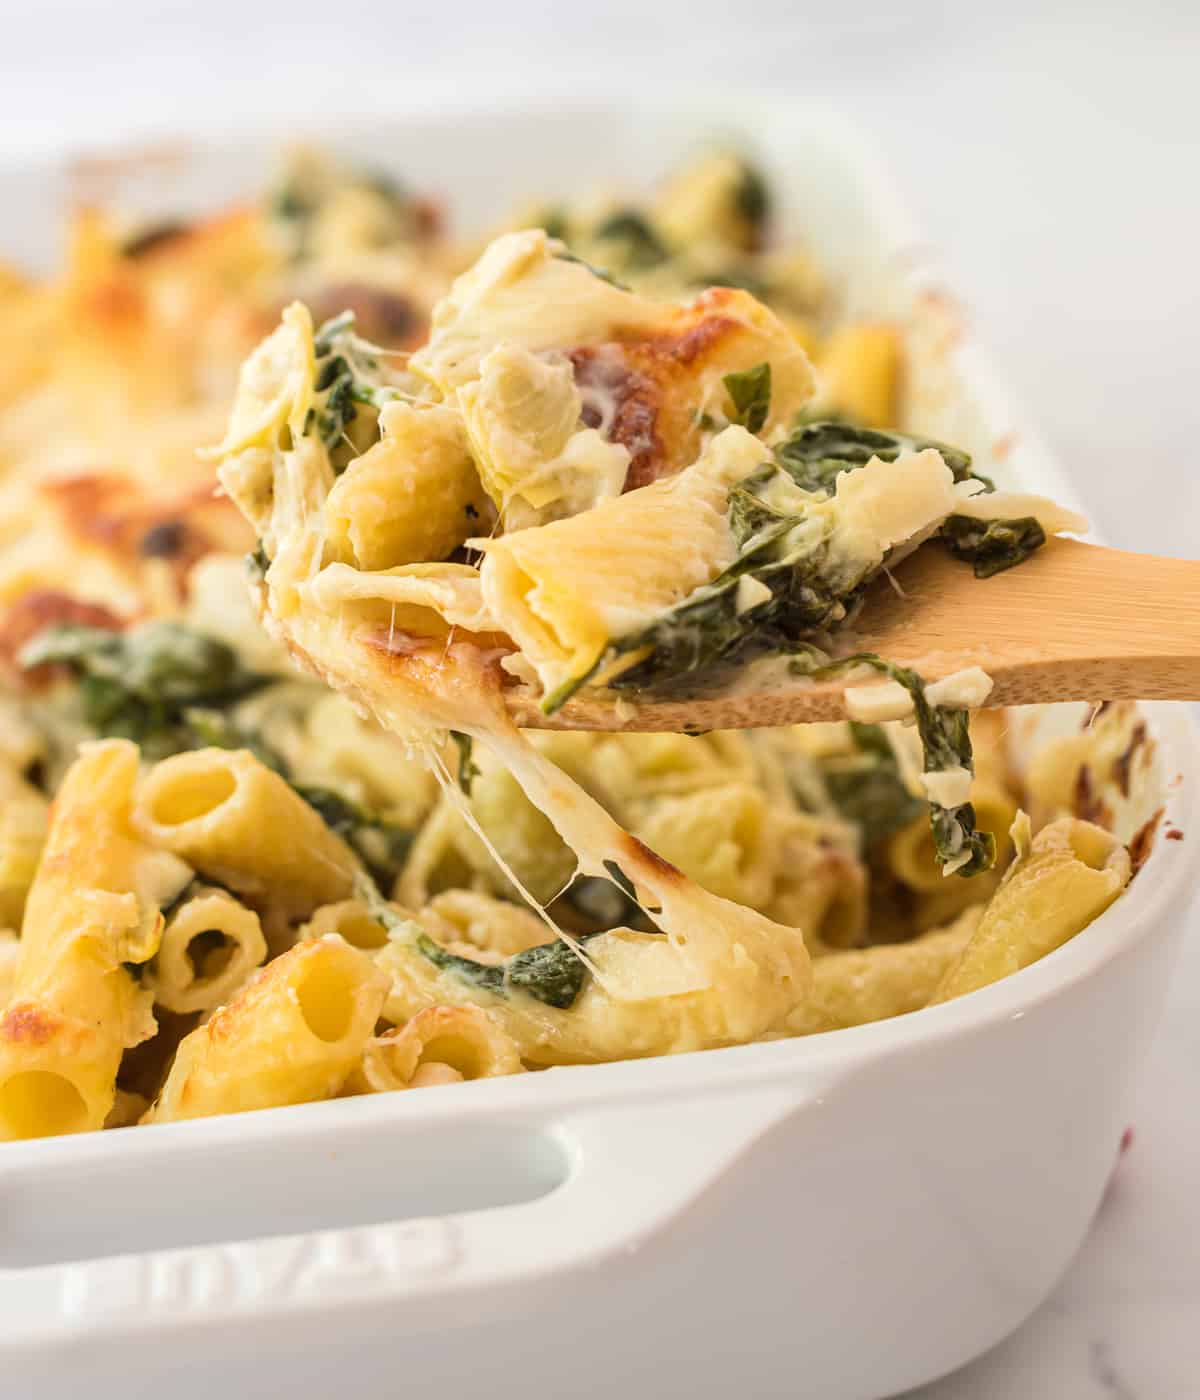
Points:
x=267 y=834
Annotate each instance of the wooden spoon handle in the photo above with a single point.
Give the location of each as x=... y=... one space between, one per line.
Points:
x=1074 y=622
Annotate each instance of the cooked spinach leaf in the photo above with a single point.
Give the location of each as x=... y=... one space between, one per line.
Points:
x=554 y=221
x=946 y=744
x=641 y=246
x=606 y=904
x=815 y=453
x=604 y=275
x=350 y=372
x=753 y=197
x=992 y=545
x=138 y=684
x=489 y=976
x=257 y=562
x=867 y=788
x=382 y=846
x=750 y=390
x=750 y=517
x=808 y=590
x=468 y=769
x=551 y=973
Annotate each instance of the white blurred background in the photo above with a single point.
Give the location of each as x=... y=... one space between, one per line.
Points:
x=1052 y=153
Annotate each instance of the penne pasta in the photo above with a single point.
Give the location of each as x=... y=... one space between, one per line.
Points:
x=858 y=985
x=92 y=920
x=414 y=496
x=10 y=953
x=291 y=1035
x=236 y=821
x=859 y=369
x=349 y=919
x=1072 y=872
x=24 y=818
x=442 y=1044
x=211 y=944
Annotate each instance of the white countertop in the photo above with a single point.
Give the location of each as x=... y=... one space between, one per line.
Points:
x=1053 y=159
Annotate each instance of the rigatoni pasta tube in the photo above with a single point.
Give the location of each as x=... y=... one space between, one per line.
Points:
x=721 y=837
x=291 y=1035
x=210 y=945
x=351 y=920
x=1071 y=874
x=451 y=1043
x=24 y=816
x=481 y=923
x=822 y=891
x=870 y=984
x=235 y=820
x=412 y=497
x=10 y=954
x=94 y=907
x=859 y=373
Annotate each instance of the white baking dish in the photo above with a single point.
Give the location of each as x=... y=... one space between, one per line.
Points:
x=839 y=1217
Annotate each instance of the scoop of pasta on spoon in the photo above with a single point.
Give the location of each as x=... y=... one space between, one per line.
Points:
x=502 y=533
x=1075 y=622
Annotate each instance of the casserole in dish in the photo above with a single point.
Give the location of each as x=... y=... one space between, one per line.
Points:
x=770 y=1133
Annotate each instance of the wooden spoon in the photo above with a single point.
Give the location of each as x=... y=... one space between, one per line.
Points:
x=1073 y=622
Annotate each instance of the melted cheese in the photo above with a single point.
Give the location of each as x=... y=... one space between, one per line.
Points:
x=1015 y=505
x=752 y=970
x=964 y=690
x=948 y=787
x=750 y=593
x=562 y=377
x=522 y=416
x=878 y=702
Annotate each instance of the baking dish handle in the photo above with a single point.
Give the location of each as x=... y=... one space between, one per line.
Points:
x=630 y=1171
x=633 y=1171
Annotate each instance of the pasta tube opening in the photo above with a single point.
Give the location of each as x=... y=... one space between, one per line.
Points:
x=209 y=948
x=840 y=924
x=326 y=994
x=209 y=954
x=41 y=1103
x=440 y=1045
x=351 y=920
x=191 y=796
